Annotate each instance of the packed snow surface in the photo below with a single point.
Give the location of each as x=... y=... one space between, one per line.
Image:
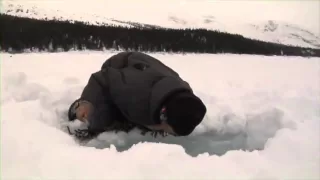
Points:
x=262 y=121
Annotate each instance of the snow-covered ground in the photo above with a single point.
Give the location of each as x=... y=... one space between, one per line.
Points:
x=288 y=22
x=262 y=121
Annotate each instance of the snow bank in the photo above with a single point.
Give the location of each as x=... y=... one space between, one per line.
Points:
x=262 y=121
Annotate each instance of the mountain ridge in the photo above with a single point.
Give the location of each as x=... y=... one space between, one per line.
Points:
x=269 y=31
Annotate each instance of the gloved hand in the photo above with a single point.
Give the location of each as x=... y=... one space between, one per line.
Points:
x=81 y=134
x=153 y=133
x=162 y=133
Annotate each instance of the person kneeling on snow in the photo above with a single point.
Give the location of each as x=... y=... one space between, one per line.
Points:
x=135 y=90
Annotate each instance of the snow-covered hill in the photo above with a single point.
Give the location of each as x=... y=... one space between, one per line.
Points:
x=169 y=15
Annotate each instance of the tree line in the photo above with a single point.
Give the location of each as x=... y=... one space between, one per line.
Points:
x=21 y=34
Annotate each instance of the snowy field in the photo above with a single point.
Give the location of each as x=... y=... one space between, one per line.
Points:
x=262 y=121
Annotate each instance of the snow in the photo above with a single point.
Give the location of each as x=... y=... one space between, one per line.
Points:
x=262 y=121
x=247 y=18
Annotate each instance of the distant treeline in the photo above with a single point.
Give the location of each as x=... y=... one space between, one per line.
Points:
x=25 y=34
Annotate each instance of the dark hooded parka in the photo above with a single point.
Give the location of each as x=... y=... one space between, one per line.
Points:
x=131 y=86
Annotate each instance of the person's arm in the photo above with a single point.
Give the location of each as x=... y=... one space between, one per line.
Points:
x=96 y=90
x=96 y=93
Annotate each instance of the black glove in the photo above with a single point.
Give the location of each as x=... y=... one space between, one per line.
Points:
x=162 y=133
x=154 y=133
x=82 y=134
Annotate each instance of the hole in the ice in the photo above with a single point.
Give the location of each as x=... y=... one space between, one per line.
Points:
x=217 y=135
x=252 y=136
